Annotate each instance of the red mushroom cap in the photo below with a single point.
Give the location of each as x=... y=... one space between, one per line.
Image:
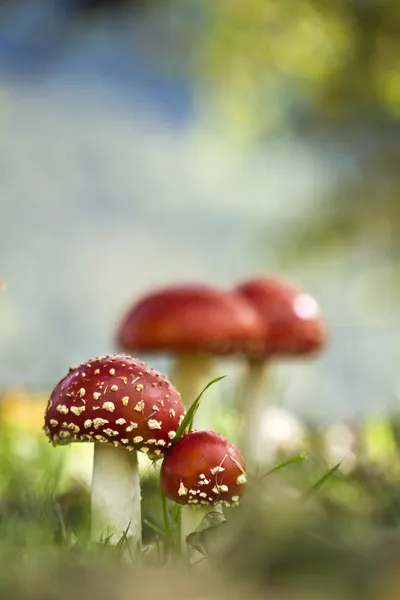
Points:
x=203 y=468
x=189 y=319
x=292 y=322
x=115 y=399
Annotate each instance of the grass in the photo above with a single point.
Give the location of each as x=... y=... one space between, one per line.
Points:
x=304 y=525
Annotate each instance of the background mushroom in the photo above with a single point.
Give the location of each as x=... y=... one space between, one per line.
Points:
x=121 y=404
x=193 y=323
x=201 y=471
x=292 y=325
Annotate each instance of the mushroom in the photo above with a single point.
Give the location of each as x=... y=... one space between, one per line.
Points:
x=121 y=404
x=202 y=470
x=292 y=325
x=193 y=323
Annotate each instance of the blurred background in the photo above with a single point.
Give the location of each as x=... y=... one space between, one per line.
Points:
x=144 y=143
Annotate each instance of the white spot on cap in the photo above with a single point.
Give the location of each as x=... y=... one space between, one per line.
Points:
x=203 y=495
x=150 y=442
x=112 y=371
x=137 y=439
x=125 y=400
x=131 y=426
x=242 y=479
x=124 y=441
x=77 y=410
x=153 y=424
x=161 y=443
x=171 y=412
x=101 y=438
x=99 y=422
x=87 y=423
x=96 y=395
x=110 y=406
x=182 y=490
x=235 y=498
x=110 y=432
x=139 y=387
x=139 y=406
x=82 y=392
x=114 y=388
x=65 y=434
x=171 y=434
x=144 y=449
x=62 y=409
x=157 y=452
x=53 y=422
x=97 y=371
x=120 y=421
x=71 y=426
x=217 y=469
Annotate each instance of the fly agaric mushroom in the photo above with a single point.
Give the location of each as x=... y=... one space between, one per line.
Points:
x=121 y=404
x=292 y=325
x=192 y=322
x=203 y=469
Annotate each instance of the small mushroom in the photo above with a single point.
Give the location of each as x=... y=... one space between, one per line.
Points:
x=193 y=323
x=201 y=471
x=292 y=325
x=121 y=404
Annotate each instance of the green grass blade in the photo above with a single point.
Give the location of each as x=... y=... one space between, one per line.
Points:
x=154 y=527
x=177 y=527
x=285 y=464
x=187 y=422
x=167 y=528
x=317 y=486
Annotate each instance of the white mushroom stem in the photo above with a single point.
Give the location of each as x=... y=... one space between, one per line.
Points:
x=115 y=495
x=191 y=374
x=250 y=404
x=191 y=520
x=192 y=517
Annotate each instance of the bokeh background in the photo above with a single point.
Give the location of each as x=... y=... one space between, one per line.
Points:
x=144 y=143
x=148 y=142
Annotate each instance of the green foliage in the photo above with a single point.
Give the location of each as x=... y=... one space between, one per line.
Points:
x=299 y=520
x=322 y=481
x=284 y=464
x=187 y=423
